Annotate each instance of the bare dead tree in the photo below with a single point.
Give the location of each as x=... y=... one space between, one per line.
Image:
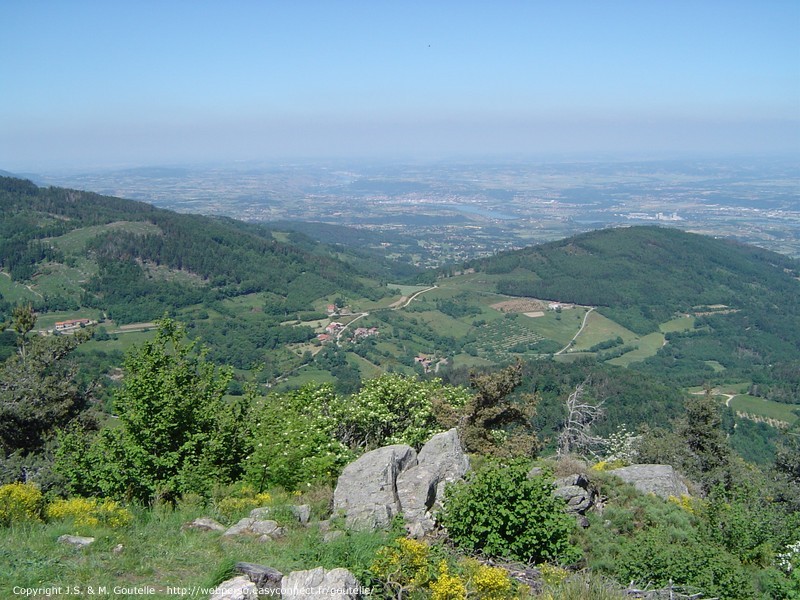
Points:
x=577 y=437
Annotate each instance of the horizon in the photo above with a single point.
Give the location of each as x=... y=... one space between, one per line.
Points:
x=98 y=86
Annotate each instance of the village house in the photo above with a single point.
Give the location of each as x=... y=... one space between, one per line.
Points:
x=72 y=324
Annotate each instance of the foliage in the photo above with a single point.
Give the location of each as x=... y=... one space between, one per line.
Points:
x=177 y=433
x=20 y=502
x=411 y=568
x=493 y=423
x=307 y=436
x=501 y=512
x=39 y=391
x=294 y=439
x=660 y=557
x=231 y=506
x=89 y=512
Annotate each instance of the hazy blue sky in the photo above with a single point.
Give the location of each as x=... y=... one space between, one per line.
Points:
x=107 y=83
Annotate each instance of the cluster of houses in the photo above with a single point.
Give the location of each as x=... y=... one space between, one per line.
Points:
x=333 y=330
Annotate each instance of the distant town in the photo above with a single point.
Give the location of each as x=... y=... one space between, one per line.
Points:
x=456 y=211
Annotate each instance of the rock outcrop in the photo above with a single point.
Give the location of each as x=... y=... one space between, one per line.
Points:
x=661 y=480
x=337 y=584
x=577 y=492
x=266 y=579
x=420 y=488
x=395 y=480
x=204 y=524
x=366 y=492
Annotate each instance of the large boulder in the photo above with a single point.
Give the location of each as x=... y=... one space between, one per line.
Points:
x=420 y=488
x=366 y=492
x=337 y=584
x=661 y=480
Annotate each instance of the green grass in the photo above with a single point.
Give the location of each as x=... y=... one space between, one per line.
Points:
x=599 y=329
x=685 y=323
x=156 y=553
x=407 y=290
x=648 y=345
x=303 y=376
x=714 y=365
x=123 y=343
x=14 y=292
x=765 y=408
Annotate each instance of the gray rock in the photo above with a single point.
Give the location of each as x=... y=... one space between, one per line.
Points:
x=337 y=584
x=420 y=488
x=332 y=535
x=204 y=524
x=238 y=588
x=264 y=578
x=251 y=526
x=366 y=491
x=270 y=528
x=260 y=512
x=243 y=526
x=302 y=512
x=577 y=492
x=661 y=480
x=76 y=540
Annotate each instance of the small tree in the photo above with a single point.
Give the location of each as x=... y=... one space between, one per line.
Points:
x=178 y=434
x=39 y=391
x=493 y=423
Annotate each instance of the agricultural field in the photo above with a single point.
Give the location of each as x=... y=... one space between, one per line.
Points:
x=600 y=329
x=648 y=345
x=767 y=409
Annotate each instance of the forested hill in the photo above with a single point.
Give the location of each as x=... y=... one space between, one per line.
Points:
x=134 y=260
x=646 y=274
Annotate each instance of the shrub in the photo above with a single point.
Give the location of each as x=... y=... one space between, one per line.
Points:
x=446 y=586
x=20 y=502
x=410 y=568
x=90 y=512
x=501 y=512
x=243 y=501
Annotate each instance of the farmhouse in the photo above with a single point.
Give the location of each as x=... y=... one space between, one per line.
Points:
x=72 y=324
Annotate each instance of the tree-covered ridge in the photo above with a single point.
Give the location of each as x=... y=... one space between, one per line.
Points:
x=643 y=276
x=662 y=270
x=232 y=258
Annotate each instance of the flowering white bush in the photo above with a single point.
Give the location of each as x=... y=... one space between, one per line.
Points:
x=622 y=447
x=309 y=435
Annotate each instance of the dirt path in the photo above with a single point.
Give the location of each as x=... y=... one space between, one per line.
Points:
x=574 y=337
x=400 y=304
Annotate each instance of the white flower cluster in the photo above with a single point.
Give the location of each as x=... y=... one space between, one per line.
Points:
x=791 y=558
x=622 y=446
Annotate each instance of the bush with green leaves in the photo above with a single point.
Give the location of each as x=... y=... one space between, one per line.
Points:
x=294 y=442
x=306 y=437
x=501 y=512
x=177 y=433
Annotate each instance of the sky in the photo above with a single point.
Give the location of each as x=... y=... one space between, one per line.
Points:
x=95 y=84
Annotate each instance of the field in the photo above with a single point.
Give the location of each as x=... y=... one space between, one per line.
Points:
x=760 y=407
x=648 y=345
x=599 y=329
